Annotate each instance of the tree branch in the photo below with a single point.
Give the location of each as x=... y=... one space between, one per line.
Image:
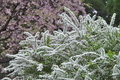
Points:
x=8 y=21
x=5 y=38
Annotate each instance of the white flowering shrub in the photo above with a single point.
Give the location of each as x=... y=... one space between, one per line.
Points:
x=90 y=51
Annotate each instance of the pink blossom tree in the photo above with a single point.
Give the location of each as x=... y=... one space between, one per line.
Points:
x=18 y=16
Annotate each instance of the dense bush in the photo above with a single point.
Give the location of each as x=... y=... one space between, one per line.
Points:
x=89 y=52
x=18 y=16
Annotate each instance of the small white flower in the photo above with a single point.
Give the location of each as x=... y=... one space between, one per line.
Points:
x=40 y=67
x=6 y=78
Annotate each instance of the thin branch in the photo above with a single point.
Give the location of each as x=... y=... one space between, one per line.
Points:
x=5 y=38
x=8 y=21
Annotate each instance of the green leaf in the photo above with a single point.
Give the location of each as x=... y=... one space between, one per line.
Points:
x=111 y=54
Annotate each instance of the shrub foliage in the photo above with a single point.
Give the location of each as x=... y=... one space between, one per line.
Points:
x=90 y=51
